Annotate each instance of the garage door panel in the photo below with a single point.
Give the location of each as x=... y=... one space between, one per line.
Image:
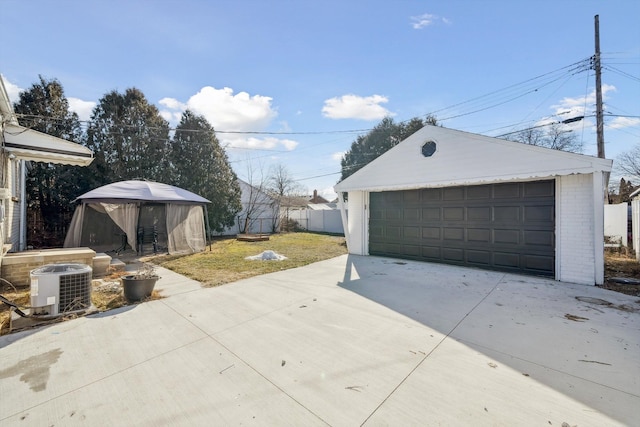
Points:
x=412 y=197
x=453 y=233
x=455 y=255
x=499 y=226
x=479 y=192
x=413 y=251
x=482 y=213
x=506 y=214
x=506 y=191
x=431 y=214
x=533 y=263
x=511 y=237
x=431 y=233
x=453 y=214
x=539 y=238
x=432 y=253
x=479 y=258
x=411 y=214
x=453 y=193
x=430 y=194
x=539 y=188
x=538 y=213
x=506 y=260
x=393 y=232
x=479 y=235
x=393 y=214
x=411 y=232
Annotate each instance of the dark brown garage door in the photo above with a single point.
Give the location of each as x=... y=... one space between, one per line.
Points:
x=506 y=227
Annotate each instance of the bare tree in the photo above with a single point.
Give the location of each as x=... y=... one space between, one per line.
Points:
x=282 y=187
x=258 y=204
x=629 y=162
x=556 y=136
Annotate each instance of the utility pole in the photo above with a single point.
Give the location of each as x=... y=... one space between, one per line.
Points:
x=599 y=118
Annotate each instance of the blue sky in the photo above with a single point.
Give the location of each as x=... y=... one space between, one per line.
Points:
x=314 y=75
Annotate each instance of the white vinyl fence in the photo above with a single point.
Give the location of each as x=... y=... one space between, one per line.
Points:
x=615 y=223
x=325 y=221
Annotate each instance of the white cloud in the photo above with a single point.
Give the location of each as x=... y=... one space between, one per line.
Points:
x=172 y=104
x=328 y=193
x=580 y=106
x=356 y=107
x=13 y=91
x=418 y=22
x=337 y=156
x=226 y=111
x=229 y=112
x=623 y=122
x=82 y=108
x=251 y=143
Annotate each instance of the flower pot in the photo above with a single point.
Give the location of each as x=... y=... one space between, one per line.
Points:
x=138 y=289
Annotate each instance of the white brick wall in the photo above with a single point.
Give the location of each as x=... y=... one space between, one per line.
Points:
x=575 y=229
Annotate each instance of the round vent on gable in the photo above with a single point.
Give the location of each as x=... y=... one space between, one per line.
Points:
x=429 y=148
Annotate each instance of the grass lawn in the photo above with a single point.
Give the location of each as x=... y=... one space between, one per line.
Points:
x=226 y=262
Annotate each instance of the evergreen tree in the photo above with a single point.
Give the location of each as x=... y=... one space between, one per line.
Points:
x=199 y=164
x=384 y=136
x=50 y=188
x=129 y=138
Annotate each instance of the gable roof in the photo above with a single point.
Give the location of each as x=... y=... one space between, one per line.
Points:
x=463 y=158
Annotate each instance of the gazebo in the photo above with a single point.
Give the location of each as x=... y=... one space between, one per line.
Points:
x=123 y=214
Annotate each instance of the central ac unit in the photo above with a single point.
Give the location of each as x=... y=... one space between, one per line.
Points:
x=60 y=288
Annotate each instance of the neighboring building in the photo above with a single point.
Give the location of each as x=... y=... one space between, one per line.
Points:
x=317 y=199
x=444 y=195
x=259 y=215
x=21 y=145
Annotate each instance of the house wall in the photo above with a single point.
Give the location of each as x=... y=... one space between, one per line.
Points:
x=263 y=212
x=575 y=251
x=10 y=218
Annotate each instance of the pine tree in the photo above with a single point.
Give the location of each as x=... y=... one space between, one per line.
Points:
x=199 y=164
x=129 y=138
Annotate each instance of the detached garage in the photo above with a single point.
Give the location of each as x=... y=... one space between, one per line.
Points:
x=449 y=196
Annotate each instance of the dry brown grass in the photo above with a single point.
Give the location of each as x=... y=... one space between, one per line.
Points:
x=618 y=264
x=226 y=262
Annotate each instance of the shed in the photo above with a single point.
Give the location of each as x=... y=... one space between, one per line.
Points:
x=449 y=196
x=115 y=215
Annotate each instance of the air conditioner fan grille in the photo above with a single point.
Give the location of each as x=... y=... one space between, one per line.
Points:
x=75 y=292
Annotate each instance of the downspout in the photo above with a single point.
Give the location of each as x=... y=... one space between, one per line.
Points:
x=22 y=243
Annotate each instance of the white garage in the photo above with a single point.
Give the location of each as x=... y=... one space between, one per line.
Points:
x=459 y=198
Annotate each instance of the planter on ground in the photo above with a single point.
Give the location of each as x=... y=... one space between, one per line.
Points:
x=137 y=289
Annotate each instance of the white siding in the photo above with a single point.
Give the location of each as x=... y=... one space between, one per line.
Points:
x=463 y=158
x=358 y=222
x=575 y=251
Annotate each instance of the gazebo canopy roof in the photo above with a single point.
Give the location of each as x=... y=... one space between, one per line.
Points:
x=137 y=190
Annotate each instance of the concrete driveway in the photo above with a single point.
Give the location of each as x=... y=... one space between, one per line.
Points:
x=345 y=342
